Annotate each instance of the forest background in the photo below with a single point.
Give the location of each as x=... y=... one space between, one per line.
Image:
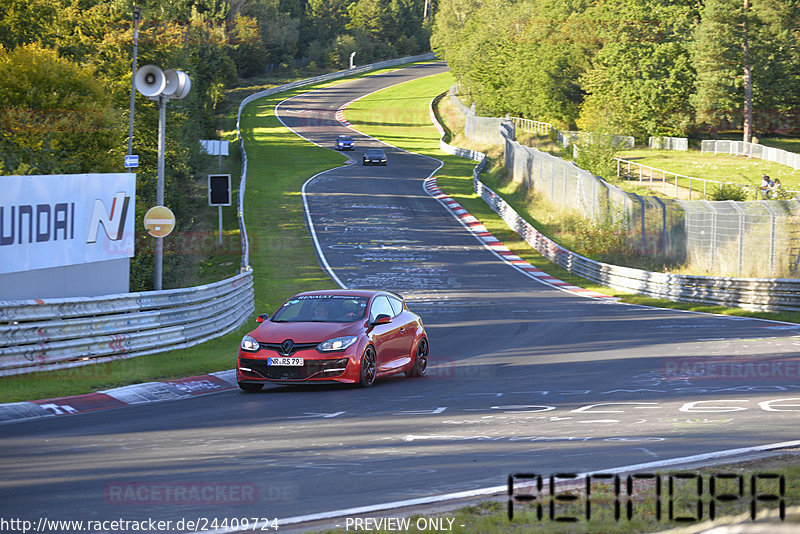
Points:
x=65 y=85
x=631 y=67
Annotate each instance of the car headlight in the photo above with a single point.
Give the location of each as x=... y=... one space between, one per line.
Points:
x=249 y=344
x=337 y=343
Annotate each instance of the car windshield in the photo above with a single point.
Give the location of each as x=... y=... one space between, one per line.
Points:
x=322 y=308
x=345 y=138
x=375 y=153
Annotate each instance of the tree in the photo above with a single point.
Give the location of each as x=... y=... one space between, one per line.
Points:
x=450 y=33
x=640 y=78
x=247 y=49
x=327 y=18
x=24 y=21
x=553 y=46
x=370 y=17
x=716 y=55
x=775 y=40
x=55 y=118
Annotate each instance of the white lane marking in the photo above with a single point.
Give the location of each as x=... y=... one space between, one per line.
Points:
x=311 y=228
x=313 y=232
x=440 y=409
x=425 y=182
x=313 y=414
x=501 y=490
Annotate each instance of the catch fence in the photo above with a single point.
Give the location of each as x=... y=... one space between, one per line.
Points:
x=752 y=150
x=751 y=293
x=742 y=239
x=668 y=143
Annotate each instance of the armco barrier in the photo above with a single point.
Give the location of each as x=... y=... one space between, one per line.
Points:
x=760 y=294
x=44 y=335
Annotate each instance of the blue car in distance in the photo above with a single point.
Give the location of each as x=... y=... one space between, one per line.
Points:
x=345 y=142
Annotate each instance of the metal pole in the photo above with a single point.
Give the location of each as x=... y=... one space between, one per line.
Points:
x=713 y=233
x=220 y=224
x=663 y=226
x=162 y=116
x=219 y=168
x=772 y=220
x=740 y=212
x=133 y=77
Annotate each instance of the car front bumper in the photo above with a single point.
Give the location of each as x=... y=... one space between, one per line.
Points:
x=317 y=367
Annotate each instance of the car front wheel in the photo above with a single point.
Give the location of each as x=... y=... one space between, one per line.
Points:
x=369 y=367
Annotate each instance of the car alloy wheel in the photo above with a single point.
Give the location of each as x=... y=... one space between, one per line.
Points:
x=369 y=367
x=420 y=360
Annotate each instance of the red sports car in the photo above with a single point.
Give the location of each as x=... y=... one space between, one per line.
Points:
x=348 y=336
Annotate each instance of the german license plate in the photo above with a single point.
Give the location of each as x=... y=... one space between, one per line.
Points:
x=290 y=362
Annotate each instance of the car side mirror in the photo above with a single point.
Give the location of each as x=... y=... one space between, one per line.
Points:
x=263 y=317
x=382 y=319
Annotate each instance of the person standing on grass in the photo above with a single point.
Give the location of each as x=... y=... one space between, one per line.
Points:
x=775 y=190
x=766 y=185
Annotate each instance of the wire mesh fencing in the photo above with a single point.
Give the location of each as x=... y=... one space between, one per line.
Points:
x=751 y=150
x=723 y=238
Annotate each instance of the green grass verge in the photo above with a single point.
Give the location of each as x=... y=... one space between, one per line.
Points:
x=281 y=255
x=707 y=166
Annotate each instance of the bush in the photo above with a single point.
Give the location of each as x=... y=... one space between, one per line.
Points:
x=728 y=192
x=596 y=154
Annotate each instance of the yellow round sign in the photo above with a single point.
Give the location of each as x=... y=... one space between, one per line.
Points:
x=159 y=221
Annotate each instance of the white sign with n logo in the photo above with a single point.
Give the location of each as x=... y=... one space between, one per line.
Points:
x=113 y=222
x=55 y=220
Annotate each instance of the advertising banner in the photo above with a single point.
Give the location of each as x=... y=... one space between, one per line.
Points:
x=60 y=220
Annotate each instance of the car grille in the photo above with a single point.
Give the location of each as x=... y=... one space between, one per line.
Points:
x=277 y=347
x=307 y=370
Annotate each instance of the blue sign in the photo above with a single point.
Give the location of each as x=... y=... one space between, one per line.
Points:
x=131 y=161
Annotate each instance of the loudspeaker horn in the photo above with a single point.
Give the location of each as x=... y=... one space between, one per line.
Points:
x=178 y=84
x=150 y=80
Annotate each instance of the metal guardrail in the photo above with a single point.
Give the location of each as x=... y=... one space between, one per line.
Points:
x=760 y=294
x=443 y=145
x=45 y=335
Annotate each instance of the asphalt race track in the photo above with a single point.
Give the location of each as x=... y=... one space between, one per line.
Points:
x=523 y=378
